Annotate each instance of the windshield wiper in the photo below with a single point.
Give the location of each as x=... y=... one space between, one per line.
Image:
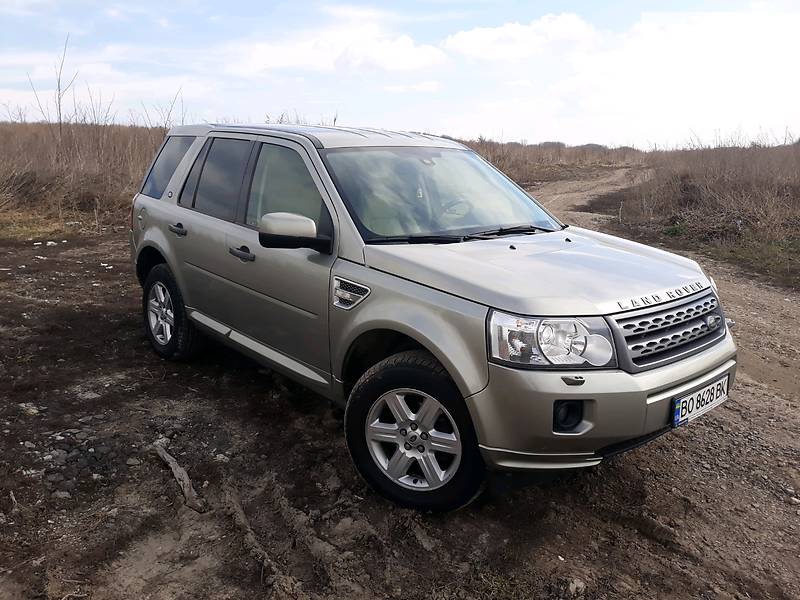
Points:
x=420 y=239
x=455 y=239
x=526 y=228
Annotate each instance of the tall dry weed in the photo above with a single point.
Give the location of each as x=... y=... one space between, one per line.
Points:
x=742 y=203
x=76 y=168
x=91 y=165
x=528 y=163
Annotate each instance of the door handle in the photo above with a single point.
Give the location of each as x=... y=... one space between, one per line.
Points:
x=243 y=253
x=178 y=229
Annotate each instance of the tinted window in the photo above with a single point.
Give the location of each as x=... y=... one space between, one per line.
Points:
x=187 y=193
x=221 y=179
x=165 y=165
x=282 y=183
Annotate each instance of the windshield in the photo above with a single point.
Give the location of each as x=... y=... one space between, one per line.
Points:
x=396 y=192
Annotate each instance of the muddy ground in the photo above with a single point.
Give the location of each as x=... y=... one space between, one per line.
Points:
x=87 y=510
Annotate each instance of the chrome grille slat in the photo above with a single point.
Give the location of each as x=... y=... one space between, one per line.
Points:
x=662 y=334
x=659 y=342
x=668 y=318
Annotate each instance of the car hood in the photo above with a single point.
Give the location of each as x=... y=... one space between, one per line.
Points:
x=570 y=272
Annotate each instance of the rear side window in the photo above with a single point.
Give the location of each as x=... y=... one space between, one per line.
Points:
x=171 y=154
x=221 y=179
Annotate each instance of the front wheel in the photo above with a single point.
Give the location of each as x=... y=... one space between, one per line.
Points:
x=410 y=434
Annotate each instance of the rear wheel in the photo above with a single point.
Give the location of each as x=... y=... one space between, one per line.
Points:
x=166 y=323
x=410 y=434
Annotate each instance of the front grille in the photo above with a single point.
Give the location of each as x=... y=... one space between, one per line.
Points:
x=658 y=335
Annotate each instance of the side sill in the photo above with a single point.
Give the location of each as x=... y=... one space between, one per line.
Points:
x=276 y=357
x=215 y=326
x=265 y=352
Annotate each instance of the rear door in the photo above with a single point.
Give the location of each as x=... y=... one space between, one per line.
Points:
x=207 y=207
x=283 y=294
x=154 y=204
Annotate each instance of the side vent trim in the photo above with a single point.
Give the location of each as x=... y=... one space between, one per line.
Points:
x=348 y=294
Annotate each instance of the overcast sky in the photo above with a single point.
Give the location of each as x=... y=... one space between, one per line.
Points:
x=614 y=73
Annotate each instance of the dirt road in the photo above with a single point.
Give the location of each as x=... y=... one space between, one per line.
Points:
x=88 y=511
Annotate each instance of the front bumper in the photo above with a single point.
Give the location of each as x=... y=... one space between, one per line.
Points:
x=513 y=415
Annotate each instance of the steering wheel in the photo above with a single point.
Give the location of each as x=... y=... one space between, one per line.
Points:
x=448 y=208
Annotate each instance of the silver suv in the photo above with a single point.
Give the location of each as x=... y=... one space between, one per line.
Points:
x=463 y=327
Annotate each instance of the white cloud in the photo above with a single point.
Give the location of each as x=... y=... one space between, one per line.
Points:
x=514 y=41
x=661 y=80
x=421 y=86
x=521 y=83
x=356 y=13
x=23 y=8
x=338 y=47
x=400 y=53
x=667 y=78
x=360 y=13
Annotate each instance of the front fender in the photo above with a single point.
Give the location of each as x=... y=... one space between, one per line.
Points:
x=452 y=329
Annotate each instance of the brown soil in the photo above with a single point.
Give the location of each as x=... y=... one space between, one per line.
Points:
x=706 y=511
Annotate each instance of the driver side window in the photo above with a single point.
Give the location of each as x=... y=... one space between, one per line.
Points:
x=282 y=183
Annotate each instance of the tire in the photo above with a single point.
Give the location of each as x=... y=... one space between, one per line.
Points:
x=441 y=472
x=179 y=340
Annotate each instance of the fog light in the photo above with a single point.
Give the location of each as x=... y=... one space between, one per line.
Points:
x=567 y=415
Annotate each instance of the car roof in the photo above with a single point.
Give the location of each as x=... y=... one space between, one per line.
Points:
x=323 y=136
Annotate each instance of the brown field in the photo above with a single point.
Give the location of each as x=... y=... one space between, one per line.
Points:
x=72 y=171
x=740 y=203
x=87 y=510
x=68 y=171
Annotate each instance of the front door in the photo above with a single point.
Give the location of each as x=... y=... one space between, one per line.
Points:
x=282 y=296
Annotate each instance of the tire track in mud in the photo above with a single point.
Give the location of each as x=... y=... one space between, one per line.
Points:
x=334 y=565
x=281 y=585
x=349 y=549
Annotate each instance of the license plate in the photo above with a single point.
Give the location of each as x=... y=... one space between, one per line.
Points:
x=699 y=402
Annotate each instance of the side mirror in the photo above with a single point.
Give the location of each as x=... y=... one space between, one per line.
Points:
x=289 y=230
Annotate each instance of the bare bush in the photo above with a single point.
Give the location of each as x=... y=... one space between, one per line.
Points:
x=528 y=163
x=85 y=163
x=742 y=202
x=90 y=168
x=77 y=158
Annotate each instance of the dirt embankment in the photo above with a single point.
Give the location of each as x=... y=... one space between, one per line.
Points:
x=710 y=510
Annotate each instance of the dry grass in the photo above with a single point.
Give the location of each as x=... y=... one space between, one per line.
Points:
x=88 y=172
x=77 y=171
x=530 y=163
x=741 y=203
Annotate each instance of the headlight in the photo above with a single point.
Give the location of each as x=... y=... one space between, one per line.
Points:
x=551 y=342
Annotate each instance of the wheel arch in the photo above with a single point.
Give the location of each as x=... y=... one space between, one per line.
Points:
x=148 y=257
x=371 y=344
x=371 y=347
x=152 y=251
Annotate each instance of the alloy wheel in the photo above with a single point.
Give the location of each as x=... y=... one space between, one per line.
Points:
x=160 y=313
x=413 y=439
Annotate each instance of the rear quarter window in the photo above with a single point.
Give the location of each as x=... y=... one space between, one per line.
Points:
x=168 y=159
